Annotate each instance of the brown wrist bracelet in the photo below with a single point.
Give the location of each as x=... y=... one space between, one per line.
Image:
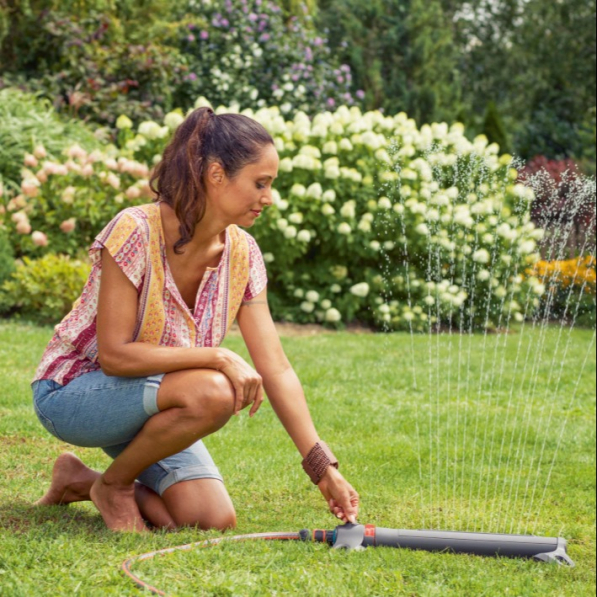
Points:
x=318 y=460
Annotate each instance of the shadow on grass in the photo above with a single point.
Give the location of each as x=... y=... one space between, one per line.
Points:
x=22 y=517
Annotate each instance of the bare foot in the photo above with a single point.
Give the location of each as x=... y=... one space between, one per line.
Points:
x=117 y=506
x=71 y=482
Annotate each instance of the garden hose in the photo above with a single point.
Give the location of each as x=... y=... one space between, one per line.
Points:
x=359 y=537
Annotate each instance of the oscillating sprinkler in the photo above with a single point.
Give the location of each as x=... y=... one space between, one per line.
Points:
x=359 y=537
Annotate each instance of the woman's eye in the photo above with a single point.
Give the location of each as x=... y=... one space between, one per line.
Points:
x=261 y=186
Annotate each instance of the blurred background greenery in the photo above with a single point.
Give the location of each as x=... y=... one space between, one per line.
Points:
x=521 y=72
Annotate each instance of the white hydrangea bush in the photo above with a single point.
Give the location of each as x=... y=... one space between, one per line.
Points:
x=395 y=226
x=373 y=219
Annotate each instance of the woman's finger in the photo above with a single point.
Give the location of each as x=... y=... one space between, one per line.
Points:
x=240 y=399
x=258 y=402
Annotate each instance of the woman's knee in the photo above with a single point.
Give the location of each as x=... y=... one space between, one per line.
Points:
x=202 y=503
x=200 y=392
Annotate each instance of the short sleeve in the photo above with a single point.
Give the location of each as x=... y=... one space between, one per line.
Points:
x=124 y=240
x=257 y=271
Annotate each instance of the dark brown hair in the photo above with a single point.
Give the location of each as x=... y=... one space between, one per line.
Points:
x=233 y=140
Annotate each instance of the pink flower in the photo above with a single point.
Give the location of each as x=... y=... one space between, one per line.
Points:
x=29 y=188
x=68 y=225
x=49 y=168
x=39 y=239
x=146 y=190
x=113 y=180
x=23 y=227
x=40 y=152
x=20 y=202
x=133 y=193
x=30 y=161
x=72 y=166
x=19 y=216
x=87 y=170
x=68 y=195
x=42 y=176
x=76 y=151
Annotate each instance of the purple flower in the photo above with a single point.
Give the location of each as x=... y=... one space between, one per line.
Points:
x=192 y=77
x=191 y=38
x=308 y=55
x=340 y=80
x=360 y=94
x=191 y=26
x=204 y=35
x=225 y=23
x=318 y=41
x=265 y=37
x=253 y=17
x=295 y=77
x=345 y=68
x=331 y=102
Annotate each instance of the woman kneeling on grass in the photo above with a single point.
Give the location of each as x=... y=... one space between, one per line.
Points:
x=135 y=368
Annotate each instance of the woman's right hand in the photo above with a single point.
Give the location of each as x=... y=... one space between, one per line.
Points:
x=248 y=384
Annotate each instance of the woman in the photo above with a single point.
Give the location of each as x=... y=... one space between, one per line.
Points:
x=135 y=368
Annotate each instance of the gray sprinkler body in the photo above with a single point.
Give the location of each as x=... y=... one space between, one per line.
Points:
x=356 y=536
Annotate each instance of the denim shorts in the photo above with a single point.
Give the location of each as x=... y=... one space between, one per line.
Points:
x=100 y=411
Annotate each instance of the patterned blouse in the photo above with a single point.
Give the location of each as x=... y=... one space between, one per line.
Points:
x=135 y=238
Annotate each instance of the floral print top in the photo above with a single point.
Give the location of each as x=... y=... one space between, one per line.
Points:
x=136 y=240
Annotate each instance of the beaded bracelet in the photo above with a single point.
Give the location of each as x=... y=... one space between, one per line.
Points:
x=318 y=460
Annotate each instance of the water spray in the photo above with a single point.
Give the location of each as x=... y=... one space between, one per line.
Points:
x=357 y=537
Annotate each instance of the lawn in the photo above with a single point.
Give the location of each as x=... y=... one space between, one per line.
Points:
x=457 y=433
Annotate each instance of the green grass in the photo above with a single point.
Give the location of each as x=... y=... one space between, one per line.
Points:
x=404 y=448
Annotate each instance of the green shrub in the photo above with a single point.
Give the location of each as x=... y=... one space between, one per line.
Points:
x=44 y=290
x=93 y=60
x=100 y=60
x=7 y=256
x=247 y=53
x=27 y=121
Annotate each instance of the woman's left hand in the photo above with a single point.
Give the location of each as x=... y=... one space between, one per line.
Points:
x=340 y=495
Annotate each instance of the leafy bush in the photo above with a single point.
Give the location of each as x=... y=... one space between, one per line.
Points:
x=92 y=69
x=7 y=256
x=97 y=61
x=242 y=52
x=27 y=121
x=354 y=233
x=45 y=289
x=571 y=289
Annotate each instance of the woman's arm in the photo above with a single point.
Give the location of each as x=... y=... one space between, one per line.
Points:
x=116 y=320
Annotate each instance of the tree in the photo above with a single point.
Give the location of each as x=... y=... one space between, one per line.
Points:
x=401 y=52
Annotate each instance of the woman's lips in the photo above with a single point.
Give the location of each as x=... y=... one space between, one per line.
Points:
x=257 y=213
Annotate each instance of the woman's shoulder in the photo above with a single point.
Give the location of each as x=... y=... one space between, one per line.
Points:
x=142 y=213
x=141 y=218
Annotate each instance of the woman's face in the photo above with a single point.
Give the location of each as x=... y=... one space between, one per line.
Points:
x=249 y=193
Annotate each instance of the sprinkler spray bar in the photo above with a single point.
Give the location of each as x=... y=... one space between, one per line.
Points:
x=356 y=536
